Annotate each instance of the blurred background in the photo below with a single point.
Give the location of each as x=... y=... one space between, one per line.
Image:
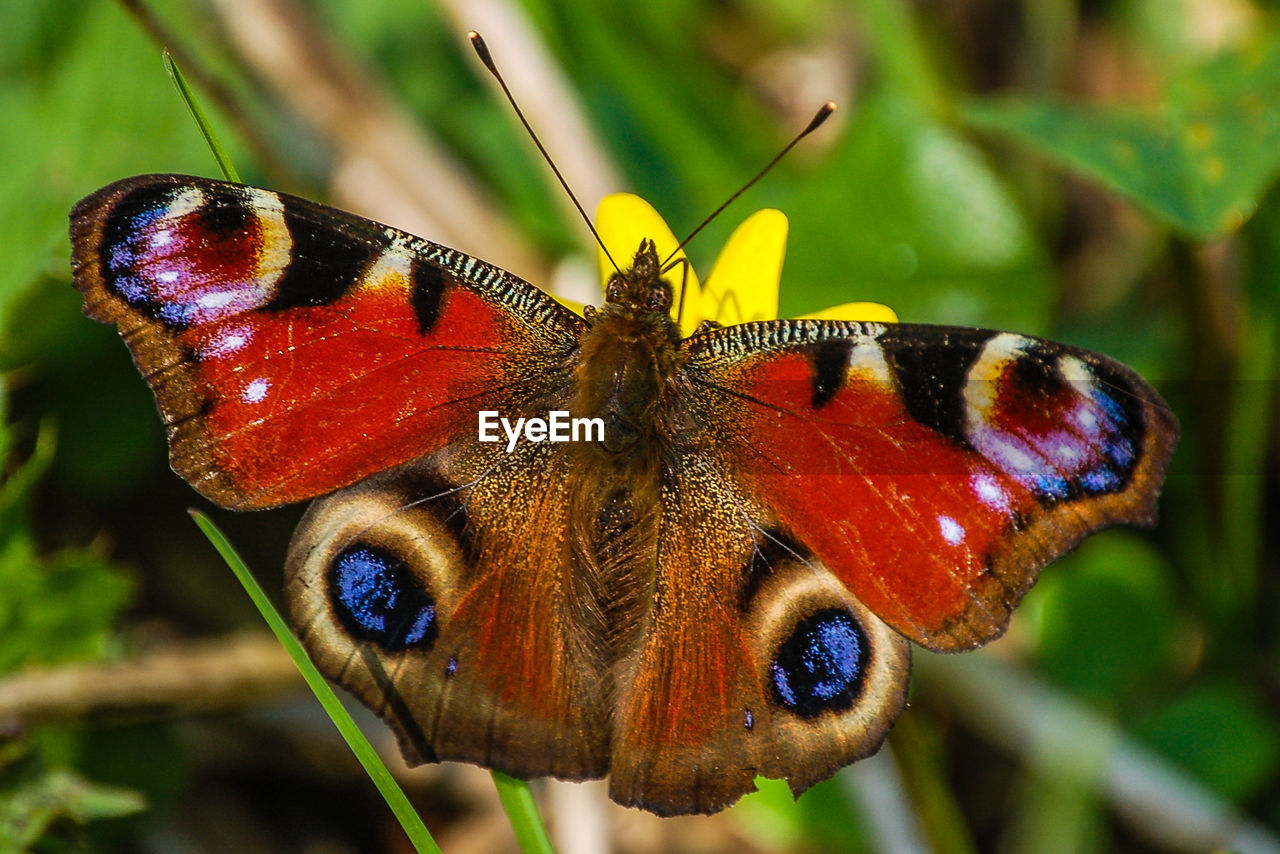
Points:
x=1096 y=171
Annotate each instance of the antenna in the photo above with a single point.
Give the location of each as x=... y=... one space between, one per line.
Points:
x=821 y=116
x=482 y=50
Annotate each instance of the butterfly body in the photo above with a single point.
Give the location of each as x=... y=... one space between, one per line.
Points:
x=628 y=362
x=722 y=585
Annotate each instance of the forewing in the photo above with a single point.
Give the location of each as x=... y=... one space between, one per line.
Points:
x=934 y=470
x=294 y=349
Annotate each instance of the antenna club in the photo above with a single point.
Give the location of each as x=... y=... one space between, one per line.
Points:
x=824 y=113
x=482 y=50
x=821 y=116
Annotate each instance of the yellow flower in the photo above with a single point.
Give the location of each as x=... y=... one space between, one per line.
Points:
x=743 y=285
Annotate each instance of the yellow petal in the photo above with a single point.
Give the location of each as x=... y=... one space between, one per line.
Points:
x=869 y=311
x=623 y=220
x=743 y=284
x=572 y=305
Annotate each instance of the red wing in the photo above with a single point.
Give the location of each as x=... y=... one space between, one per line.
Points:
x=294 y=349
x=935 y=470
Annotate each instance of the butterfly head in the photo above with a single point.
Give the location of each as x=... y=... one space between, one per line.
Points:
x=641 y=287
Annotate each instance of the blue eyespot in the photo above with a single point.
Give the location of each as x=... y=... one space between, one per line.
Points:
x=378 y=598
x=821 y=666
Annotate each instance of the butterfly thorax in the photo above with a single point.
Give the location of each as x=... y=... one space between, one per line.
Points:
x=629 y=358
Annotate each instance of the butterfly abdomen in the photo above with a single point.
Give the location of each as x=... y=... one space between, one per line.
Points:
x=614 y=533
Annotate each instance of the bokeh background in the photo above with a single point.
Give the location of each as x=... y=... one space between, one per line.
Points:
x=1097 y=171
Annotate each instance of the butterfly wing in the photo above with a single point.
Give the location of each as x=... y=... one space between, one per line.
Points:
x=934 y=469
x=443 y=594
x=834 y=489
x=294 y=349
x=755 y=658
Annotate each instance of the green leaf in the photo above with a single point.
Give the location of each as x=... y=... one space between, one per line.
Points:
x=201 y=119
x=59 y=607
x=1224 y=734
x=910 y=214
x=28 y=812
x=821 y=819
x=1199 y=160
x=1106 y=618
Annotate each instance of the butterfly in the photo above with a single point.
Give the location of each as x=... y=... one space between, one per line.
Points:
x=723 y=582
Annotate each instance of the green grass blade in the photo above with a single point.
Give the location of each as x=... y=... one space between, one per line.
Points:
x=517 y=800
x=202 y=120
x=373 y=766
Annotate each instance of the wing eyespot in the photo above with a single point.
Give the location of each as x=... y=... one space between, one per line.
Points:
x=822 y=665
x=378 y=598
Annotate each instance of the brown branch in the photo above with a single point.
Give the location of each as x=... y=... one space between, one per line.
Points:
x=199 y=676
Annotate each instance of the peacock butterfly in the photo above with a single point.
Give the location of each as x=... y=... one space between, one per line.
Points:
x=723 y=584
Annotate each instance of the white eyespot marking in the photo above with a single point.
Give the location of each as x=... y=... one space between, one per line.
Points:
x=990 y=492
x=218 y=299
x=256 y=391
x=1075 y=372
x=163 y=237
x=1068 y=453
x=263 y=200
x=1080 y=377
x=228 y=342
x=190 y=200
x=1087 y=419
x=982 y=384
x=276 y=250
x=952 y=531
x=167 y=276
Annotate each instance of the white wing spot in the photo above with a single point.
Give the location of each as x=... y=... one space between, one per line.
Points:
x=216 y=299
x=989 y=492
x=952 y=531
x=1068 y=453
x=227 y=343
x=256 y=391
x=866 y=360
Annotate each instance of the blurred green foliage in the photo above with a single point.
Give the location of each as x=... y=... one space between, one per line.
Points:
x=28 y=812
x=59 y=607
x=1199 y=159
x=1093 y=171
